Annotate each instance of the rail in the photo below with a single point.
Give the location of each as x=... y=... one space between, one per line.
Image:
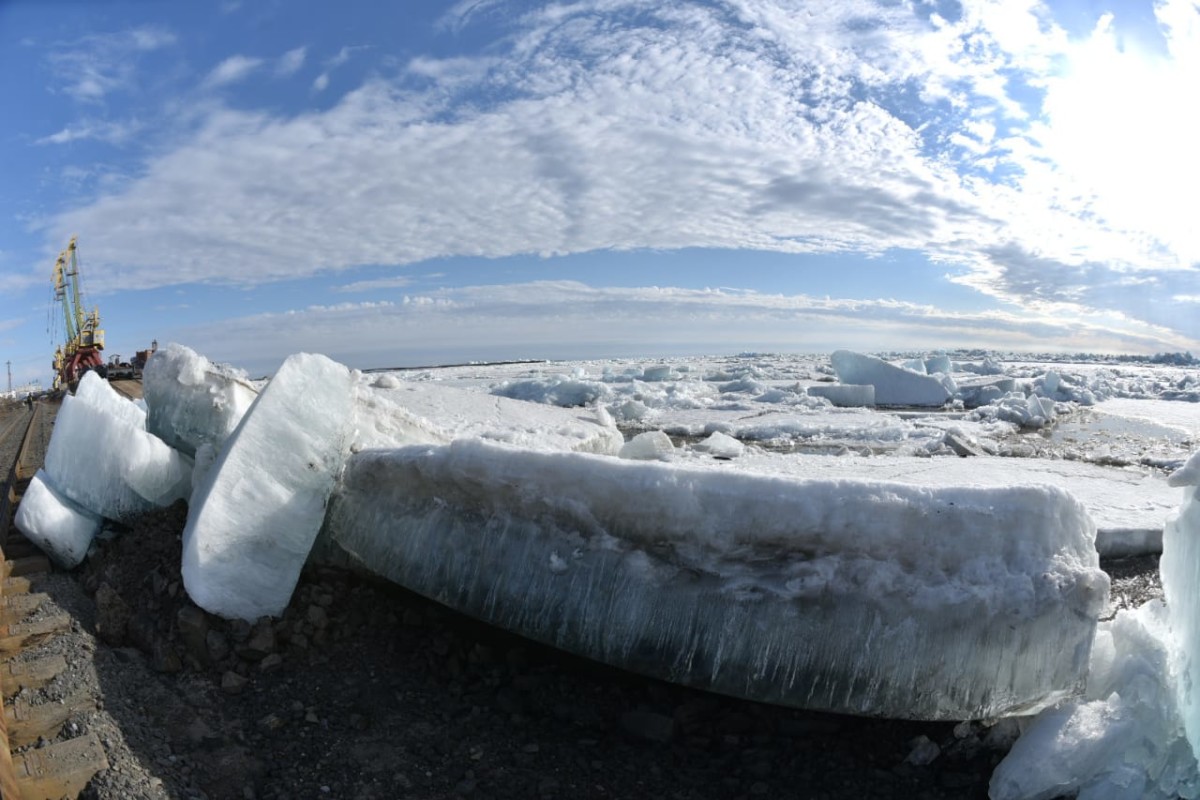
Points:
x=64 y=768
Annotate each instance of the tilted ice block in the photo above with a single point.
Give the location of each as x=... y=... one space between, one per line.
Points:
x=648 y=446
x=850 y=596
x=254 y=517
x=894 y=386
x=110 y=467
x=62 y=529
x=1180 y=570
x=193 y=401
x=845 y=395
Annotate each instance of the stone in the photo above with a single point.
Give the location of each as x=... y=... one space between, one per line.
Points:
x=271 y=662
x=112 y=615
x=193 y=631
x=260 y=643
x=232 y=683
x=649 y=726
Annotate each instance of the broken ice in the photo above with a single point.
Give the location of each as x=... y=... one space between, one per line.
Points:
x=61 y=528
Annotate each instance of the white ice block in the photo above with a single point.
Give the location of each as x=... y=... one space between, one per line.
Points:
x=61 y=528
x=254 y=517
x=845 y=395
x=107 y=465
x=849 y=596
x=720 y=445
x=192 y=401
x=648 y=446
x=894 y=386
x=98 y=392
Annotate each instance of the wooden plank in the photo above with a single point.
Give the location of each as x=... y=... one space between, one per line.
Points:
x=27 y=634
x=26 y=723
x=30 y=565
x=8 y=777
x=32 y=674
x=15 y=585
x=17 y=607
x=59 y=770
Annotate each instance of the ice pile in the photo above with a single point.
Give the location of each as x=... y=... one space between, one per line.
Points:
x=741 y=583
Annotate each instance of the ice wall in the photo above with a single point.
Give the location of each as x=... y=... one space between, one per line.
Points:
x=849 y=596
x=192 y=401
x=101 y=460
x=894 y=386
x=1180 y=569
x=62 y=529
x=254 y=517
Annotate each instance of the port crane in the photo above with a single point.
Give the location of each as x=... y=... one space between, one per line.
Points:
x=84 y=336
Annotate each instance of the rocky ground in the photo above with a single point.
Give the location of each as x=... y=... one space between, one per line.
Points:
x=362 y=690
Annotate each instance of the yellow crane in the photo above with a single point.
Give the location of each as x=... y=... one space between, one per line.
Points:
x=85 y=337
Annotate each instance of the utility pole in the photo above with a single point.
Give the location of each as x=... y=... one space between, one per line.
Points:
x=9 y=365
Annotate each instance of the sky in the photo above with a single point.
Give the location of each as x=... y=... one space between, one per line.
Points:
x=406 y=183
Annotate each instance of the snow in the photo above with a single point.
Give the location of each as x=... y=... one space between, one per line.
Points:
x=894 y=386
x=459 y=413
x=745 y=583
x=192 y=401
x=1129 y=506
x=254 y=518
x=61 y=528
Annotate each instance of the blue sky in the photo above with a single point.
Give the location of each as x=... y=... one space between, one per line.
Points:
x=406 y=183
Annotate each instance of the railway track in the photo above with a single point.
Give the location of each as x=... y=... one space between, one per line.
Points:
x=27 y=771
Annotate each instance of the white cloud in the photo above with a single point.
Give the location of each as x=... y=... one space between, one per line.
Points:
x=232 y=70
x=374 y=285
x=291 y=61
x=626 y=124
x=99 y=130
x=91 y=68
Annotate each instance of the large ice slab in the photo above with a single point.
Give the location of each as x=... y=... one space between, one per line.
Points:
x=193 y=401
x=99 y=459
x=894 y=386
x=460 y=413
x=850 y=596
x=254 y=517
x=61 y=528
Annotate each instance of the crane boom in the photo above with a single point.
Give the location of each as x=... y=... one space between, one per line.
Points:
x=85 y=338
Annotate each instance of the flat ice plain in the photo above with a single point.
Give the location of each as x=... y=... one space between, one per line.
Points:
x=714 y=522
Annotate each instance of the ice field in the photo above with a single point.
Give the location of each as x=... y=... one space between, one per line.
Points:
x=718 y=522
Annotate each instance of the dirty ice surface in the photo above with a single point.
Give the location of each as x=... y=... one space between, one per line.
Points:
x=741 y=496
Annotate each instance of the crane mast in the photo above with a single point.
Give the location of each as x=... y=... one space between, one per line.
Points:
x=84 y=337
